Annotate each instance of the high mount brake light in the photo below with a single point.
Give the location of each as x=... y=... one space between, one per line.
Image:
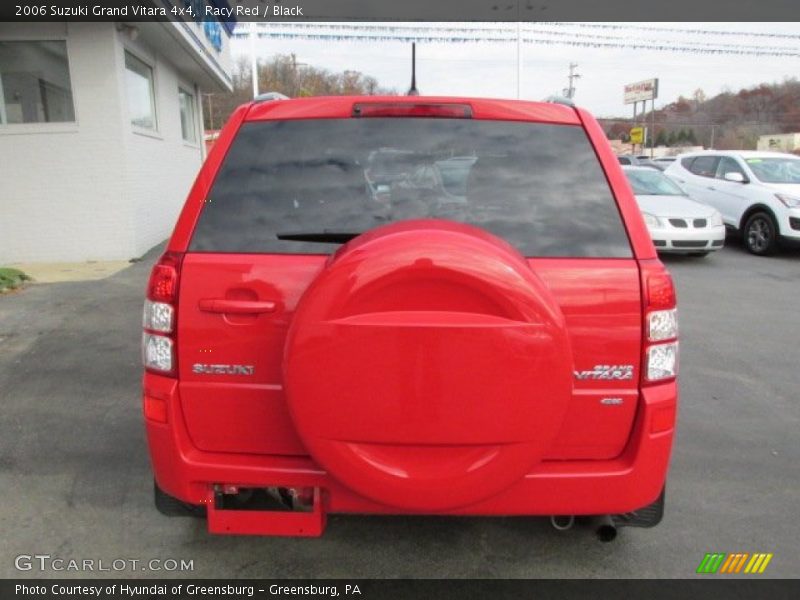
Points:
x=412 y=109
x=159 y=321
x=660 y=357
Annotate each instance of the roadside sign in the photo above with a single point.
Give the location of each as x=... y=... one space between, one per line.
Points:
x=641 y=91
x=637 y=135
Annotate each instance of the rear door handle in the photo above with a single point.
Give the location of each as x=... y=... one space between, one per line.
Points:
x=239 y=307
x=712 y=189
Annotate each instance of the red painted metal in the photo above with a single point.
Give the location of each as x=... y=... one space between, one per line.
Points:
x=428 y=366
x=262 y=522
x=582 y=487
x=252 y=416
x=332 y=107
x=471 y=432
x=236 y=307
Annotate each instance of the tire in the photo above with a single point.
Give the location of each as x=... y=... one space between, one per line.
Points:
x=699 y=254
x=172 y=507
x=760 y=234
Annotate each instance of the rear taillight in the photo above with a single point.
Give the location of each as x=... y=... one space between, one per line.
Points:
x=163 y=284
x=159 y=318
x=439 y=110
x=660 y=358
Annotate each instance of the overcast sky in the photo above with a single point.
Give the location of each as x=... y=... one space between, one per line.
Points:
x=489 y=68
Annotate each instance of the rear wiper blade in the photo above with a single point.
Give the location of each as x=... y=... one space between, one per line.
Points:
x=324 y=237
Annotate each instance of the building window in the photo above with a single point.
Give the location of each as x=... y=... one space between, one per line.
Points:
x=188 y=125
x=141 y=93
x=34 y=83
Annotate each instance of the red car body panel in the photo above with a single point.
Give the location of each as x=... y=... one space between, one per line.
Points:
x=224 y=431
x=581 y=487
x=253 y=417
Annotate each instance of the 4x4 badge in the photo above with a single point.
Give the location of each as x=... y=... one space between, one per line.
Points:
x=620 y=372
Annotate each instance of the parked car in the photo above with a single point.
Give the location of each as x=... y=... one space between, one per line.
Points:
x=639 y=161
x=758 y=193
x=676 y=223
x=318 y=342
x=662 y=162
x=665 y=160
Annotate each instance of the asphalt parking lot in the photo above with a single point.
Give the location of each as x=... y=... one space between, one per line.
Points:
x=75 y=475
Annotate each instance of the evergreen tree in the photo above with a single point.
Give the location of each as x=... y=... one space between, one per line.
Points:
x=672 y=139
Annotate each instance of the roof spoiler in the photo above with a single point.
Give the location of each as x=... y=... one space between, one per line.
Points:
x=270 y=96
x=560 y=100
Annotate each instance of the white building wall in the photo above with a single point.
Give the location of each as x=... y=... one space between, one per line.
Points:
x=62 y=191
x=159 y=166
x=99 y=189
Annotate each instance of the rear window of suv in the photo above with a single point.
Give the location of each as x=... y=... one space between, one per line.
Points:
x=538 y=186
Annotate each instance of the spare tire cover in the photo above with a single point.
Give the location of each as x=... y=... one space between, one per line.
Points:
x=427 y=367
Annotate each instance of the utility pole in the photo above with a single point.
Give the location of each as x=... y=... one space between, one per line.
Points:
x=295 y=64
x=253 y=58
x=519 y=60
x=570 y=91
x=652 y=127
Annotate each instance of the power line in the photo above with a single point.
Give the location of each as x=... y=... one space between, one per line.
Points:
x=644 y=46
x=787 y=36
x=704 y=123
x=445 y=32
x=627 y=38
x=510 y=28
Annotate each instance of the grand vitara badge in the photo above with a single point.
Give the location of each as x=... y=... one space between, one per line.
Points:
x=616 y=372
x=204 y=369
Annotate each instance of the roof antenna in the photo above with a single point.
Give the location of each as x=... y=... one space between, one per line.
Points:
x=413 y=91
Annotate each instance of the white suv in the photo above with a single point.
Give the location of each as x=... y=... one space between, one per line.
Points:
x=758 y=193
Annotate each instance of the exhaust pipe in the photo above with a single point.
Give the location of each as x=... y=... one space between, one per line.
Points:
x=604 y=527
x=562 y=522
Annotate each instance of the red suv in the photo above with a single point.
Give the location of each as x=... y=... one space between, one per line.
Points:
x=428 y=305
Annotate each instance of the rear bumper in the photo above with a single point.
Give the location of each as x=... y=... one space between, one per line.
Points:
x=629 y=482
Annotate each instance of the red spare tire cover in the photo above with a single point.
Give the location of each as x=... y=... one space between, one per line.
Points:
x=427 y=367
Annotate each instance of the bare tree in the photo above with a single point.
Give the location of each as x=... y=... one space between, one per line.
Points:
x=284 y=74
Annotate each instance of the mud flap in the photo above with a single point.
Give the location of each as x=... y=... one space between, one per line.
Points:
x=172 y=507
x=649 y=516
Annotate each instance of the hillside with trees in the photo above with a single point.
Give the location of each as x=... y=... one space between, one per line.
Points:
x=727 y=121
x=282 y=73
